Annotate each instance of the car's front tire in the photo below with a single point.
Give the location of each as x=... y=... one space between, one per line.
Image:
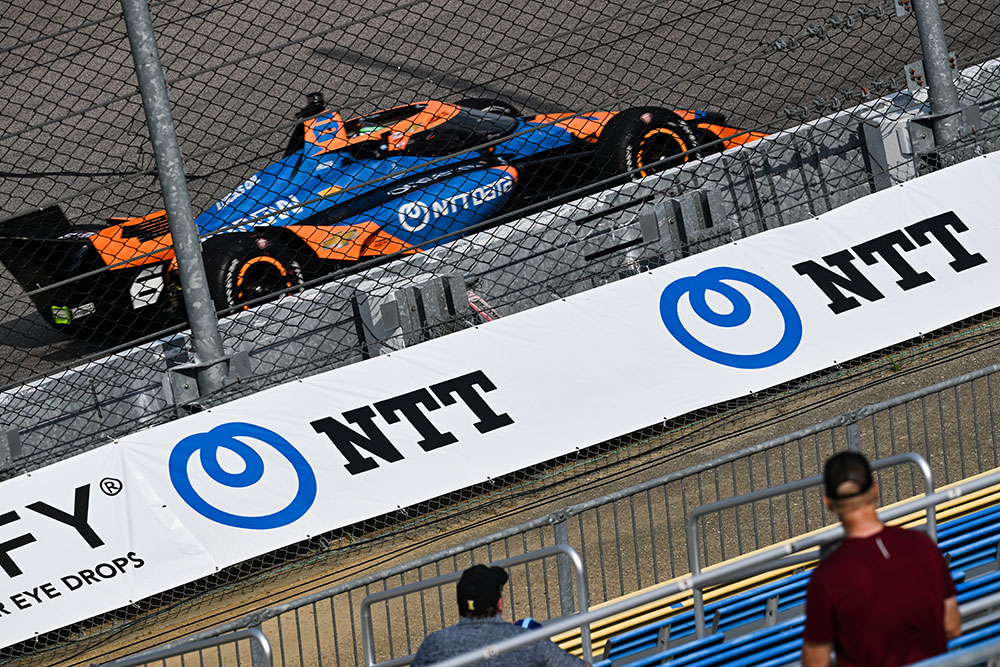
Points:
x=644 y=140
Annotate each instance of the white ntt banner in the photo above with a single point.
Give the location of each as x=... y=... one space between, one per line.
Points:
x=173 y=503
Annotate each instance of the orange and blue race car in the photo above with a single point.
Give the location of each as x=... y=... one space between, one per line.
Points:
x=401 y=180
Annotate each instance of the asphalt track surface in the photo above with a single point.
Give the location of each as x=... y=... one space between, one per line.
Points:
x=73 y=129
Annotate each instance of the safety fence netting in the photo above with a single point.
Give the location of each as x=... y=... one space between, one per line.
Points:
x=338 y=156
x=317 y=141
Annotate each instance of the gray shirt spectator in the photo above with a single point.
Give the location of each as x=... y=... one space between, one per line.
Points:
x=479 y=606
x=471 y=633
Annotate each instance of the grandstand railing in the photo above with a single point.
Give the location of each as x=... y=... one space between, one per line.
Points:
x=972 y=612
x=723 y=573
x=560 y=551
x=977 y=655
x=694 y=516
x=260 y=650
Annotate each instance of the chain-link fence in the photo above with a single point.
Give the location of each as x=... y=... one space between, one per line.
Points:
x=779 y=67
x=291 y=199
x=281 y=201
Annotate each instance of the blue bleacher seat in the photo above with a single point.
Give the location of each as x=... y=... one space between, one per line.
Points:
x=672 y=654
x=971 y=542
x=748 y=649
x=976 y=637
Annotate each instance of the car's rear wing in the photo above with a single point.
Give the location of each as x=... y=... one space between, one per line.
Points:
x=47 y=223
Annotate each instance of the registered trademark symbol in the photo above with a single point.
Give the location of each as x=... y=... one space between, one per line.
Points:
x=111 y=486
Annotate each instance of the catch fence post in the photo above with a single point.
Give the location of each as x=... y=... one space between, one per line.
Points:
x=948 y=120
x=211 y=360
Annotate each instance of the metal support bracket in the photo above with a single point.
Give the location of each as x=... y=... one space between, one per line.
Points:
x=663 y=639
x=684 y=223
x=771 y=612
x=369 y=338
x=10 y=446
x=875 y=155
x=916 y=77
x=905 y=8
x=180 y=382
x=921 y=129
x=716 y=619
x=428 y=310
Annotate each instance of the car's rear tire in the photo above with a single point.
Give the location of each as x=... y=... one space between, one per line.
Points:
x=243 y=267
x=644 y=140
x=491 y=105
x=708 y=141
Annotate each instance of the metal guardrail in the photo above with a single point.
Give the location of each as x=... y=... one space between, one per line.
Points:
x=260 y=651
x=987 y=654
x=693 y=517
x=977 y=613
x=560 y=551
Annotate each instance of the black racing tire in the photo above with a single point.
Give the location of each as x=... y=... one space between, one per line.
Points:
x=644 y=140
x=491 y=105
x=243 y=267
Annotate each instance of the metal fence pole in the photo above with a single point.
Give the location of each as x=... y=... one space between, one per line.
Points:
x=853 y=434
x=260 y=648
x=566 y=600
x=694 y=564
x=942 y=93
x=170 y=169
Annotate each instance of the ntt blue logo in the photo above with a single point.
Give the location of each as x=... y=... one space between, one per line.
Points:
x=225 y=436
x=712 y=280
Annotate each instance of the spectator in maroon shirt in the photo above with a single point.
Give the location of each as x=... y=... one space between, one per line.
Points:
x=884 y=597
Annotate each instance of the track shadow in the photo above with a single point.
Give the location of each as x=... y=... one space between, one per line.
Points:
x=421 y=73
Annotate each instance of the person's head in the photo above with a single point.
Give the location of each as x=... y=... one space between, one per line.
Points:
x=848 y=483
x=480 y=591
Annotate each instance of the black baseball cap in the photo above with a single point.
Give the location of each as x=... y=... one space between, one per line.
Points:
x=843 y=468
x=479 y=588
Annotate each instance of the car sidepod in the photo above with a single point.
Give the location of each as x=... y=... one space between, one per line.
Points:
x=436 y=212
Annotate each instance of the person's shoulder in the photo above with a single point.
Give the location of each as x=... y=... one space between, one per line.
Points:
x=819 y=575
x=447 y=634
x=913 y=538
x=832 y=557
x=437 y=637
x=434 y=647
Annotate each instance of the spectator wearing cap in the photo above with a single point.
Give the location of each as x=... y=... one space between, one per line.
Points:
x=480 y=603
x=885 y=596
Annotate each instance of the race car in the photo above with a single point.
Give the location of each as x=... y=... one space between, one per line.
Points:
x=398 y=181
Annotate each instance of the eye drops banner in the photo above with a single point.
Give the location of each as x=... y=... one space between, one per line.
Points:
x=173 y=503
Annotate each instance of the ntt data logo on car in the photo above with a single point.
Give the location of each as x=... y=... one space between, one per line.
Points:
x=233 y=437
x=724 y=298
